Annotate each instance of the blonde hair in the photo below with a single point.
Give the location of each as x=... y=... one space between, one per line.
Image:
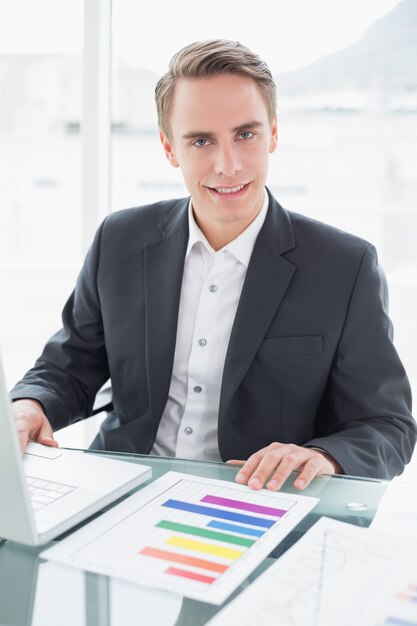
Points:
x=204 y=59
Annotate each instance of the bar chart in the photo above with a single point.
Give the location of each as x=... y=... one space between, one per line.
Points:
x=197 y=537
x=216 y=550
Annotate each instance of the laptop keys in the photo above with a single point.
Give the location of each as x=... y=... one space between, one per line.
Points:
x=44 y=492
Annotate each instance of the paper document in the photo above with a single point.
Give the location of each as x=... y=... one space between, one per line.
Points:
x=193 y=536
x=335 y=574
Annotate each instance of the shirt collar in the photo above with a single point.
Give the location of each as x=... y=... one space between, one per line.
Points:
x=241 y=247
x=195 y=234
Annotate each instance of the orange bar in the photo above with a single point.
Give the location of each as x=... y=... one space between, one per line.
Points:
x=182 y=558
x=193 y=575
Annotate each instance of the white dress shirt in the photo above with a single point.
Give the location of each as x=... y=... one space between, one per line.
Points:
x=211 y=286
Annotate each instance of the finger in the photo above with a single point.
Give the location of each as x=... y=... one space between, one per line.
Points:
x=250 y=466
x=311 y=469
x=23 y=435
x=235 y=462
x=316 y=466
x=46 y=435
x=288 y=464
x=48 y=441
x=268 y=465
x=267 y=461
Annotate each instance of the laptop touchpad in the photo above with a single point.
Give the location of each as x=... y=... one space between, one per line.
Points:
x=46 y=452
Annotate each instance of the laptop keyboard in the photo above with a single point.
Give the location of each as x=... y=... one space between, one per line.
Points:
x=44 y=492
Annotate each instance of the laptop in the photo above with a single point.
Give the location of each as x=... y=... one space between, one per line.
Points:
x=50 y=490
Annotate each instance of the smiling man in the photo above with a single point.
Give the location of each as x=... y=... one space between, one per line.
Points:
x=231 y=328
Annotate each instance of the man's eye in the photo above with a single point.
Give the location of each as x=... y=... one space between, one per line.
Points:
x=246 y=134
x=200 y=143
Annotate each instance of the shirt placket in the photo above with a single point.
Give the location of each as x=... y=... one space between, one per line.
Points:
x=199 y=393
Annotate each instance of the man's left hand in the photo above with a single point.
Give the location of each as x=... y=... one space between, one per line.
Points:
x=273 y=465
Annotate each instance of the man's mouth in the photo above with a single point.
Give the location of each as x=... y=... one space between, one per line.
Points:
x=227 y=191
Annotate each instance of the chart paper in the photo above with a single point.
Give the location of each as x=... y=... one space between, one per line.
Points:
x=193 y=536
x=335 y=574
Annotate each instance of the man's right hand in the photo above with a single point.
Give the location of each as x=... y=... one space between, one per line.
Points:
x=32 y=423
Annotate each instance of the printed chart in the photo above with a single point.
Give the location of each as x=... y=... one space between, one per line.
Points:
x=335 y=574
x=397 y=605
x=197 y=537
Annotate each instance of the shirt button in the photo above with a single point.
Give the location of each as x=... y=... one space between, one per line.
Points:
x=198 y=389
x=188 y=430
x=202 y=342
x=213 y=288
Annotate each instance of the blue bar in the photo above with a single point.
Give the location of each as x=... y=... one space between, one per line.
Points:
x=395 y=621
x=236 y=529
x=208 y=510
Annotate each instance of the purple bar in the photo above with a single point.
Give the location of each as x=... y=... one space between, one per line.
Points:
x=244 y=506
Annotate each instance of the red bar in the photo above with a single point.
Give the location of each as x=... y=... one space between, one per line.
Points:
x=185 y=560
x=187 y=574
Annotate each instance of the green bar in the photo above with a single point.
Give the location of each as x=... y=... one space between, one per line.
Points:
x=202 y=532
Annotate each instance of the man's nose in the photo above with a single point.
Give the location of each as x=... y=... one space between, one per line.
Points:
x=227 y=162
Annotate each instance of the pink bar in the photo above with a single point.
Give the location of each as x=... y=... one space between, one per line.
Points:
x=244 y=506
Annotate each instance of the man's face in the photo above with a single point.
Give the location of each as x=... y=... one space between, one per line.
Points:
x=221 y=137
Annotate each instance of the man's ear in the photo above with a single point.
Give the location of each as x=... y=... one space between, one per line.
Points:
x=274 y=134
x=168 y=149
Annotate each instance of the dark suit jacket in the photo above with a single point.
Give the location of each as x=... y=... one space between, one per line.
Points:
x=310 y=359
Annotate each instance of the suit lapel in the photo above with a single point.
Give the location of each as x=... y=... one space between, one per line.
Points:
x=266 y=282
x=164 y=264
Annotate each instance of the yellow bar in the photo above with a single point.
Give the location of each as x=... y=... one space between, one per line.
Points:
x=206 y=548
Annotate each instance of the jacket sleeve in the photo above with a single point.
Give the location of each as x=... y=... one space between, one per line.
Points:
x=73 y=365
x=367 y=404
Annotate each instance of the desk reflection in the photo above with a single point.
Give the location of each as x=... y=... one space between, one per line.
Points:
x=35 y=592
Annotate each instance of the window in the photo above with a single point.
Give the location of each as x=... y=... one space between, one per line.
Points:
x=40 y=163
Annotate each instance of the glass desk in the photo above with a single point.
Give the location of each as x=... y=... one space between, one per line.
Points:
x=34 y=592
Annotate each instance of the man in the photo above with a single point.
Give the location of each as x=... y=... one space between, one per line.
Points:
x=230 y=328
